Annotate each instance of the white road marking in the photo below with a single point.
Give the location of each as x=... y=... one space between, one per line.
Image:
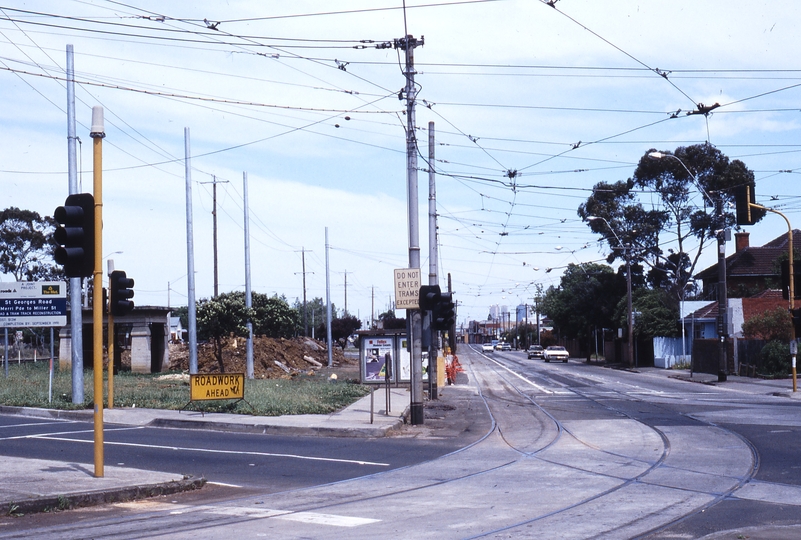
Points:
x=211 y=451
x=302 y=517
x=223 y=484
x=535 y=385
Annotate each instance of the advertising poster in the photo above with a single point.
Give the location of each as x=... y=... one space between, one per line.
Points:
x=378 y=353
x=405 y=366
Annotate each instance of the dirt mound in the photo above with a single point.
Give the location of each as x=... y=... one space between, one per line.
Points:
x=295 y=355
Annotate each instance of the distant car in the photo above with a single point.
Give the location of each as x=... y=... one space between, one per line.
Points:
x=499 y=346
x=555 y=352
x=535 y=351
x=486 y=347
x=506 y=346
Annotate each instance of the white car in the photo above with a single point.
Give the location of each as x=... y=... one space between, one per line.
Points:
x=555 y=352
x=486 y=347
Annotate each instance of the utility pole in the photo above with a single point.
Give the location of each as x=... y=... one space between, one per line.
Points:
x=76 y=284
x=414 y=316
x=722 y=325
x=305 y=316
x=328 y=304
x=346 y=293
x=248 y=291
x=433 y=278
x=214 y=183
x=190 y=260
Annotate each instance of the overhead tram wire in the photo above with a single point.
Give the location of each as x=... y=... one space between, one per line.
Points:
x=631 y=56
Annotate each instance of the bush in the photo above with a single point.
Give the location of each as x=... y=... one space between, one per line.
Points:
x=775 y=359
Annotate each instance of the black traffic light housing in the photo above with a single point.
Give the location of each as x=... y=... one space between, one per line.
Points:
x=120 y=291
x=429 y=297
x=444 y=314
x=75 y=235
x=747 y=210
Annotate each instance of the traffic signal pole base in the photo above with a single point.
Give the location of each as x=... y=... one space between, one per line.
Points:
x=722 y=376
x=416 y=415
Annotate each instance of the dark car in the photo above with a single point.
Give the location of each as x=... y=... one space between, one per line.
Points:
x=535 y=351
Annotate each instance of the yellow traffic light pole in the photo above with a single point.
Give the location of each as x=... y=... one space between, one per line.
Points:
x=97 y=132
x=792 y=277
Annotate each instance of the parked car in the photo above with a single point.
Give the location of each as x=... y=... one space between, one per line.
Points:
x=535 y=351
x=486 y=347
x=506 y=346
x=555 y=352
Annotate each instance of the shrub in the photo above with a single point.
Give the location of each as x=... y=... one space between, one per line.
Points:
x=775 y=359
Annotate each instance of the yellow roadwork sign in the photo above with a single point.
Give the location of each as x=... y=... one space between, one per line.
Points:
x=217 y=386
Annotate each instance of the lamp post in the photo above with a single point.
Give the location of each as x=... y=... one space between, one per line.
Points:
x=721 y=238
x=626 y=254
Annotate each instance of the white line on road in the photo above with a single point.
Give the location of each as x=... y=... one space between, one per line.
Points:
x=535 y=385
x=211 y=451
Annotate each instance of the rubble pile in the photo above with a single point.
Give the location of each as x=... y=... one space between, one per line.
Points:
x=272 y=358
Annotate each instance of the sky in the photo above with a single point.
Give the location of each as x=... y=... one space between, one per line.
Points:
x=532 y=104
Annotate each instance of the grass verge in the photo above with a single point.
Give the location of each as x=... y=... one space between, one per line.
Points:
x=27 y=385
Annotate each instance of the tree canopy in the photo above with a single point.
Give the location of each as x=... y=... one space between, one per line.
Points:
x=26 y=245
x=669 y=197
x=585 y=299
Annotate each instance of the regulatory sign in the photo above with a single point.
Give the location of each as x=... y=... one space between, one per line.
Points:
x=33 y=303
x=407 y=288
x=217 y=386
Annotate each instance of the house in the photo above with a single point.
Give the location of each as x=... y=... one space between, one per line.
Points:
x=751 y=269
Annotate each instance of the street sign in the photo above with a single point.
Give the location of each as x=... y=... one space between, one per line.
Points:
x=407 y=288
x=33 y=303
x=217 y=386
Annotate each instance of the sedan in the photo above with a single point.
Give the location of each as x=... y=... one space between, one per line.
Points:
x=506 y=346
x=535 y=351
x=555 y=352
x=486 y=347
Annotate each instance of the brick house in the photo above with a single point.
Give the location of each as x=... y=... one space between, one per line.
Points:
x=752 y=281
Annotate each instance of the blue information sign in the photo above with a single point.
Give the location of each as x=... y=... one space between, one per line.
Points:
x=33 y=303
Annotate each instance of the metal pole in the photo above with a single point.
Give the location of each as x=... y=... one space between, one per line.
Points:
x=722 y=302
x=190 y=261
x=628 y=306
x=328 y=304
x=52 y=354
x=5 y=351
x=305 y=315
x=413 y=315
x=433 y=278
x=248 y=293
x=98 y=133
x=214 y=231
x=76 y=284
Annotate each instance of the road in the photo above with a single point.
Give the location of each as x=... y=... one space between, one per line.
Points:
x=571 y=451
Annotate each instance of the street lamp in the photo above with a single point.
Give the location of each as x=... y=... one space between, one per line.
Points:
x=720 y=233
x=627 y=256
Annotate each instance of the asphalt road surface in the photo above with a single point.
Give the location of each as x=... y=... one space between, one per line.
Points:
x=557 y=451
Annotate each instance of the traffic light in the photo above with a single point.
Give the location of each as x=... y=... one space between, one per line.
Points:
x=429 y=297
x=120 y=290
x=744 y=197
x=444 y=315
x=75 y=235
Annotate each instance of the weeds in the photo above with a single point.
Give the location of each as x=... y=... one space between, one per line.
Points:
x=27 y=386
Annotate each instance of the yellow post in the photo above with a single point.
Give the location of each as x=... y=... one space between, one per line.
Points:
x=791 y=269
x=97 y=133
